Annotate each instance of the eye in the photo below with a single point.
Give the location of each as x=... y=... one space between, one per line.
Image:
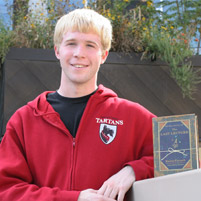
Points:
x=71 y=44
x=91 y=45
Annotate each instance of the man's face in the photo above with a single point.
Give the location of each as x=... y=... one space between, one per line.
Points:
x=80 y=56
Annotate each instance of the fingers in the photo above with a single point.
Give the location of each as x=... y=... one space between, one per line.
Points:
x=121 y=196
x=111 y=191
x=101 y=191
x=90 y=194
x=117 y=185
x=114 y=193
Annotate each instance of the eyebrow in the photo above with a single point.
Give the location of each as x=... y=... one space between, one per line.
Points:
x=69 y=40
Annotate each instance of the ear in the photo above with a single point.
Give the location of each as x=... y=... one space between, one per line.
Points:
x=56 y=51
x=104 y=56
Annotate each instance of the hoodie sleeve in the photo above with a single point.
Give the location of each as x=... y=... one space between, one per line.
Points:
x=16 y=181
x=143 y=165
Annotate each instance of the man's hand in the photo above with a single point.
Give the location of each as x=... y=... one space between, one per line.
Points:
x=91 y=195
x=118 y=185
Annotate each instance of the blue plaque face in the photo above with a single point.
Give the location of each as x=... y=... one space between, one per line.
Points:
x=174 y=145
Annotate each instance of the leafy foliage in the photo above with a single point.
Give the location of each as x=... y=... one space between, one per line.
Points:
x=5 y=41
x=141 y=28
x=176 y=54
x=184 y=16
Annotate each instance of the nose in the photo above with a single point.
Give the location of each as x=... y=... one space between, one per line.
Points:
x=79 y=51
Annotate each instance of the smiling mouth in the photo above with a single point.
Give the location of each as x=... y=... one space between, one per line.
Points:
x=79 y=66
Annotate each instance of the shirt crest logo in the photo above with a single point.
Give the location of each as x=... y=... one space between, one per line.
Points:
x=107 y=133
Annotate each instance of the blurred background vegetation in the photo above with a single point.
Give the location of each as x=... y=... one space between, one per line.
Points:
x=165 y=30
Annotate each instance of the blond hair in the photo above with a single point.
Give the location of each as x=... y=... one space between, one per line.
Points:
x=84 y=20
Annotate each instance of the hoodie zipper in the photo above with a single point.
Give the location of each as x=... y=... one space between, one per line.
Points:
x=72 y=174
x=72 y=164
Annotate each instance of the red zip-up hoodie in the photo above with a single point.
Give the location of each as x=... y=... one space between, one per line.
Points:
x=40 y=160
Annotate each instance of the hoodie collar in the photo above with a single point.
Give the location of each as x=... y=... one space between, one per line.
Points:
x=42 y=107
x=104 y=92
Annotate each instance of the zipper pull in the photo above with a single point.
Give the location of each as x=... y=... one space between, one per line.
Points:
x=73 y=142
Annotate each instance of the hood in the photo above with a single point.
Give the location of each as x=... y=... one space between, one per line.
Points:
x=104 y=92
x=42 y=107
x=40 y=104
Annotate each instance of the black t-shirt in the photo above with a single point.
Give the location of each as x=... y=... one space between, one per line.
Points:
x=69 y=109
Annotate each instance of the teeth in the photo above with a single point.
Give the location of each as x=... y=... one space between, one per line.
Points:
x=79 y=66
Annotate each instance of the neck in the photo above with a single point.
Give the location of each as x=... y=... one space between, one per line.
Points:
x=76 y=91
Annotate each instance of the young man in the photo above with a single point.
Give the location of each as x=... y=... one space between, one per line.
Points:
x=81 y=142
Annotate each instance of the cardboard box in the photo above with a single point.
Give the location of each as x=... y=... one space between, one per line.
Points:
x=183 y=186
